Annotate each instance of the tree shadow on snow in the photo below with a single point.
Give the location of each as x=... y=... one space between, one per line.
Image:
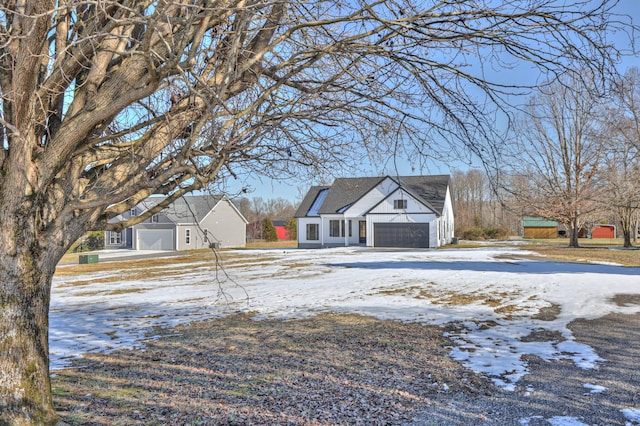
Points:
x=519 y=267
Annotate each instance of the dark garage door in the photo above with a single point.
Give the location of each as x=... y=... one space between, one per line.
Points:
x=408 y=235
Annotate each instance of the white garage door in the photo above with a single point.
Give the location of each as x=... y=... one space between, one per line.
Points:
x=155 y=239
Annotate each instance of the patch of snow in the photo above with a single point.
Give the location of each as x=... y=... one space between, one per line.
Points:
x=490 y=297
x=554 y=421
x=582 y=355
x=565 y=421
x=594 y=388
x=602 y=262
x=525 y=421
x=632 y=414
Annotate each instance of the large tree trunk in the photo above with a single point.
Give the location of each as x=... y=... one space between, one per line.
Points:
x=574 y=230
x=626 y=224
x=25 y=286
x=627 y=237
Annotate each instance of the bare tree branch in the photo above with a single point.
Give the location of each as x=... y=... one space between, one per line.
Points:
x=106 y=102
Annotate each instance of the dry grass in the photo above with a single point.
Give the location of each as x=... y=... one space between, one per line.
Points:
x=591 y=250
x=191 y=255
x=588 y=254
x=282 y=244
x=325 y=370
x=73 y=268
x=160 y=267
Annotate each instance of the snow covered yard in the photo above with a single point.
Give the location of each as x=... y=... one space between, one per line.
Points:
x=505 y=308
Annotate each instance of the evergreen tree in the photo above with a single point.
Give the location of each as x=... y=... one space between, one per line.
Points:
x=269 y=232
x=291 y=226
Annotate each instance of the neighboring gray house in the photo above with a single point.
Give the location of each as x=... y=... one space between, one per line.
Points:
x=405 y=211
x=191 y=222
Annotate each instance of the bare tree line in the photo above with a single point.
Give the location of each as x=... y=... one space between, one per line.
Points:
x=256 y=209
x=477 y=204
x=575 y=158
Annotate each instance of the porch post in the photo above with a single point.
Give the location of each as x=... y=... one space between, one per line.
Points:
x=347 y=227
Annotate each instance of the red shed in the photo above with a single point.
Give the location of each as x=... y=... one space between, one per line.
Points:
x=282 y=232
x=604 y=231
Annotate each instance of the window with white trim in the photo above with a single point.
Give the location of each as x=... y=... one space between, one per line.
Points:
x=154 y=218
x=115 y=238
x=187 y=236
x=313 y=232
x=399 y=204
x=336 y=228
x=206 y=235
x=133 y=212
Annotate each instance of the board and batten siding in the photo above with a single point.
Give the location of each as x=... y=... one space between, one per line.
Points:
x=303 y=242
x=540 y=232
x=536 y=227
x=373 y=197
x=415 y=212
x=386 y=206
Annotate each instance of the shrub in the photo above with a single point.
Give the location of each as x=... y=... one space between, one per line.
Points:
x=473 y=234
x=292 y=229
x=91 y=241
x=496 y=233
x=477 y=233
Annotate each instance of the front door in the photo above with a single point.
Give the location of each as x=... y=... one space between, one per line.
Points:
x=362 y=232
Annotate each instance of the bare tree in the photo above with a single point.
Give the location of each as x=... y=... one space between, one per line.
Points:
x=561 y=149
x=256 y=209
x=470 y=195
x=257 y=212
x=478 y=203
x=621 y=176
x=280 y=208
x=106 y=102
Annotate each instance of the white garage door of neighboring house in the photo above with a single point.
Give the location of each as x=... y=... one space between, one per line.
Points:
x=155 y=239
x=405 y=235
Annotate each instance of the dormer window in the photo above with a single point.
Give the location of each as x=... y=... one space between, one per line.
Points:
x=399 y=204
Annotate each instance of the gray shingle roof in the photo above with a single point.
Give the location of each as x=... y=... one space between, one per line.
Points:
x=432 y=189
x=187 y=209
x=345 y=191
x=308 y=200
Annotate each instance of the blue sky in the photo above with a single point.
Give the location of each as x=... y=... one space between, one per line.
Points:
x=294 y=189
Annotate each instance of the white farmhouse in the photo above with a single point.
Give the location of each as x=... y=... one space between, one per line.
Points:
x=404 y=211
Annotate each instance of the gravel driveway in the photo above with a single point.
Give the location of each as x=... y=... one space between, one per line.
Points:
x=559 y=392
